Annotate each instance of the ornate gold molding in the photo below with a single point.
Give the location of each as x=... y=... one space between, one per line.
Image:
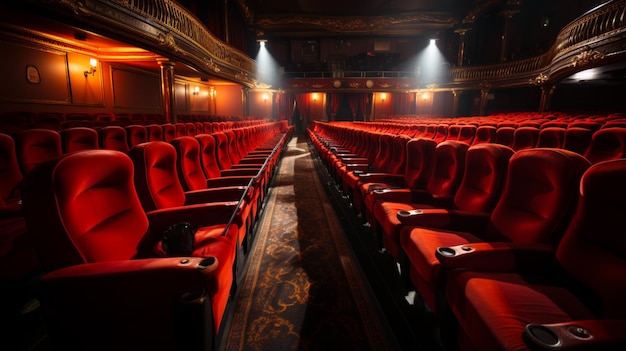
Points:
x=586 y=57
x=541 y=79
x=356 y=24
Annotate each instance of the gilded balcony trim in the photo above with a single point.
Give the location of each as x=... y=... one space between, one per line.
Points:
x=164 y=27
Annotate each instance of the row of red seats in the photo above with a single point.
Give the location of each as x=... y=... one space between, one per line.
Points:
x=90 y=211
x=12 y=122
x=499 y=241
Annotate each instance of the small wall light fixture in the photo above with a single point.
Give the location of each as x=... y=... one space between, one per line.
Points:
x=92 y=67
x=383 y=97
x=196 y=91
x=265 y=97
x=314 y=96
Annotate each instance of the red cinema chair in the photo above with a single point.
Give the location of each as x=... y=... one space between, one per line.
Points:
x=34 y=146
x=78 y=138
x=607 y=144
x=136 y=134
x=113 y=138
x=534 y=209
x=108 y=286
x=516 y=297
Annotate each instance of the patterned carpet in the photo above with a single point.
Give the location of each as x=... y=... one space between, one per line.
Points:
x=303 y=289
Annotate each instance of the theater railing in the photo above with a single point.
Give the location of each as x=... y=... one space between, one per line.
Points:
x=595 y=38
x=162 y=26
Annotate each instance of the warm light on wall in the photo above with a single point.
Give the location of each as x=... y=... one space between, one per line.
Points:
x=265 y=97
x=196 y=91
x=92 y=69
x=314 y=96
x=383 y=97
x=213 y=92
x=425 y=96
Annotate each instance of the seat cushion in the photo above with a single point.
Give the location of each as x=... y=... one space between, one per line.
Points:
x=494 y=308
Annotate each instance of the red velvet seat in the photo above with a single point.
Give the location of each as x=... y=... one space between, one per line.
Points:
x=113 y=138
x=155 y=132
x=181 y=129
x=607 y=144
x=572 y=298
x=136 y=134
x=78 y=138
x=169 y=132
x=525 y=138
x=18 y=260
x=479 y=180
x=577 y=139
x=535 y=207
x=107 y=286
x=505 y=136
x=484 y=134
x=34 y=146
x=192 y=178
x=551 y=137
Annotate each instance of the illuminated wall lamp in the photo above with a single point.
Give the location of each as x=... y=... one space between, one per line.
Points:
x=196 y=91
x=92 y=69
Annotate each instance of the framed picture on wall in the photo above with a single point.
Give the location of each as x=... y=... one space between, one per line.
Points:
x=32 y=75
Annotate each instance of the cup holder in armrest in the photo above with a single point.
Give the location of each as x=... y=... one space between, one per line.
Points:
x=407 y=213
x=541 y=335
x=206 y=263
x=446 y=251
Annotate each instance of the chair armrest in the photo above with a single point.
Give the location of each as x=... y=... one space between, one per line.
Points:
x=395 y=179
x=200 y=215
x=497 y=256
x=252 y=172
x=230 y=193
x=229 y=181
x=130 y=299
x=357 y=167
x=444 y=219
x=577 y=335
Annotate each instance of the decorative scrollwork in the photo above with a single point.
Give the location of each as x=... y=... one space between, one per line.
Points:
x=541 y=79
x=586 y=57
x=169 y=41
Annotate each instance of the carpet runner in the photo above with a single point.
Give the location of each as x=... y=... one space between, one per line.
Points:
x=303 y=289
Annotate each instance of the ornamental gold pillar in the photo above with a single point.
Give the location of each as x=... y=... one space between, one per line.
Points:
x=167 y=90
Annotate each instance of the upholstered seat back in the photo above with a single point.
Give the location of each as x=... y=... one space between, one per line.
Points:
x=79 y=138
x=420 y=157
x=83 y=208
x=156 y=179
x=538 y=197
x=188 y=166
x=223 y=158
x=467 y=134
x=136 y=134
x=34 y=146
x=551 y=137
x=448 y=169
x=113 y=138
x=484 y=134
x=577 y=139
x=208 y=158
x=607 y=144
x=397 y=163
x=593 y=251
x=169 y=132
x=525 y=138
x=485 y=171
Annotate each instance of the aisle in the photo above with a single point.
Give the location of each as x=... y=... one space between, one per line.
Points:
x=303 y=289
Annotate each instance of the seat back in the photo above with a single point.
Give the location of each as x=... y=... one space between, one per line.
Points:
x=35 y=146
x=79 y=138
x=448 y=169
x=504 y=136
x=397 y=162
x=190 y=129
x=136 y=134
x=607 y=144
x=98 y=218
x=577 y=139
x=181 y=130
x=208 y=158
x=155 y=132
x=592 y=251
x=169 y=132
x=113 y=138
x=485 y=171
x=551 y=137
x=188 y=166
x=441 y=133
x=156 y=179
x=420 y=160
x=484 y=134
x=538 y=197
x=222 y=151
x=233 y=149
x=525 y=138
x=10 y=173
x=467 y=134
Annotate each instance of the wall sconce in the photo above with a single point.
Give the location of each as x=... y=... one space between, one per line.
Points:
x=265 y=97
x=383 y=97
x=425 y=96
x=196 y=91
x=315 y=97
x=92 y=69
